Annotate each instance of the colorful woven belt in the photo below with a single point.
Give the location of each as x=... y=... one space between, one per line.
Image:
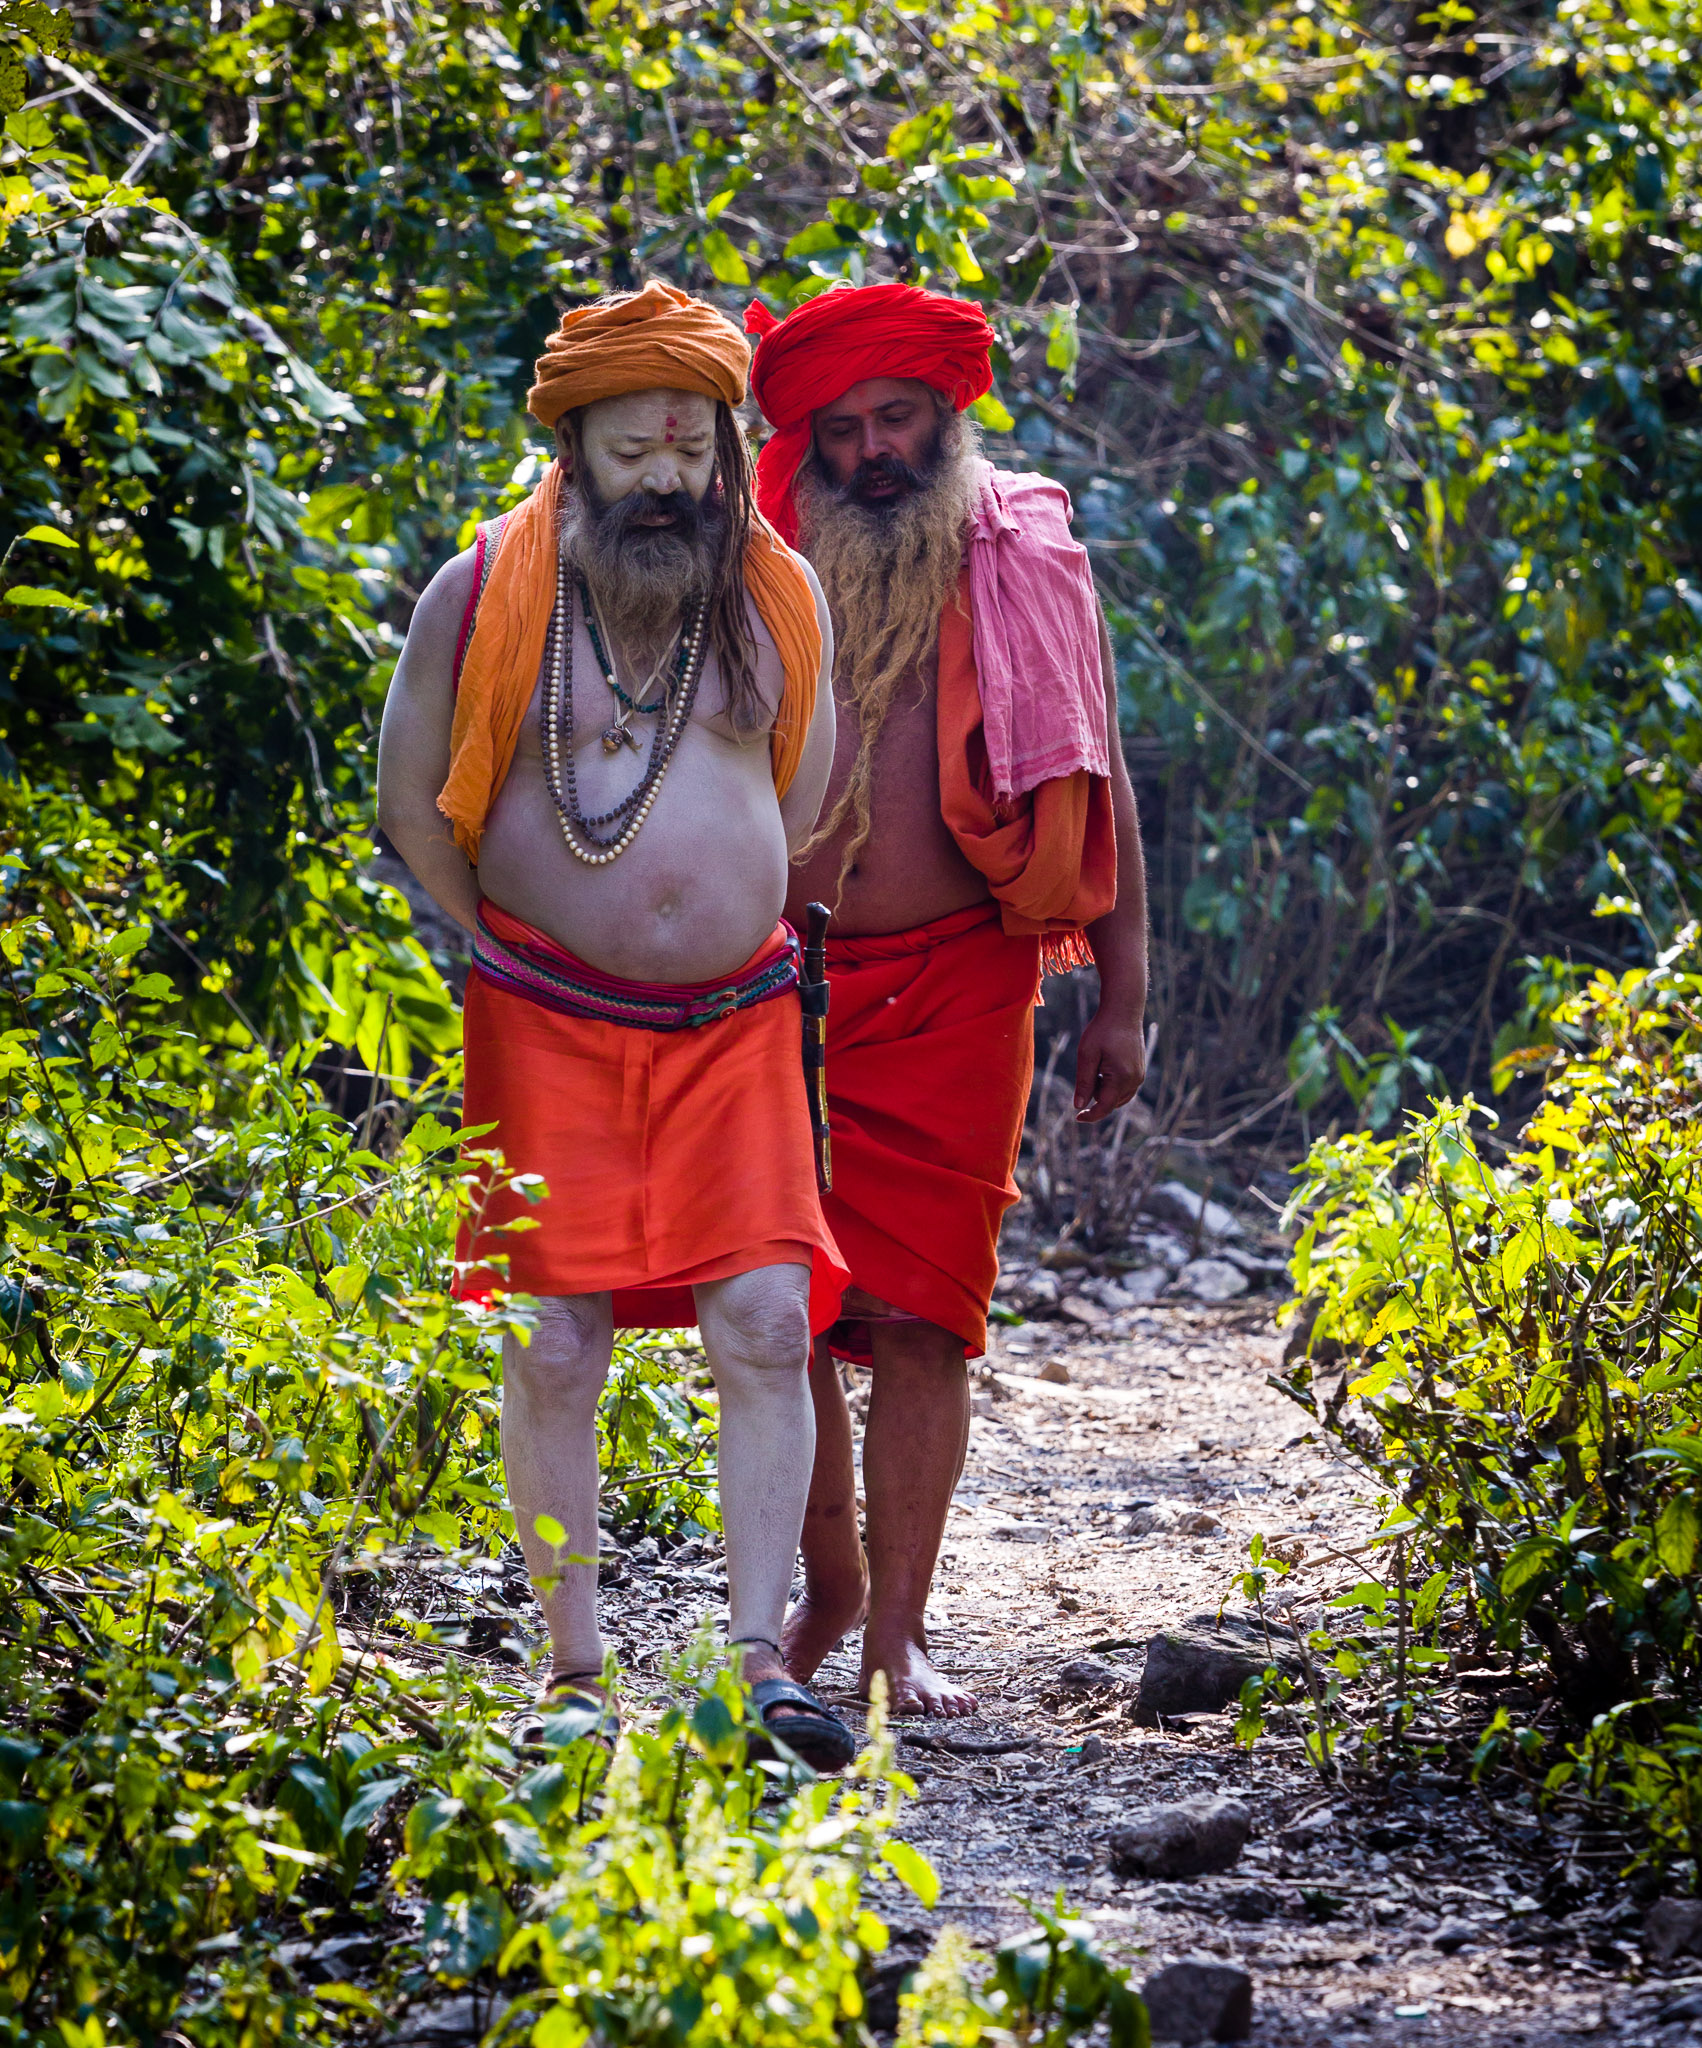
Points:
x=557 y=981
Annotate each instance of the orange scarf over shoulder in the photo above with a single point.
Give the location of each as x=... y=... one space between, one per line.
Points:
x=501 y=665
x=1050 y=857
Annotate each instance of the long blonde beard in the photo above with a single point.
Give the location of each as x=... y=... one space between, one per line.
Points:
x=887 y=574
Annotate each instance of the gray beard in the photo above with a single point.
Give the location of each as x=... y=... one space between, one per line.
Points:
x=888 y=570
x=644 y=579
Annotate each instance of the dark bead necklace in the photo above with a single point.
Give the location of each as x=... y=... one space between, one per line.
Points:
x=582 y=831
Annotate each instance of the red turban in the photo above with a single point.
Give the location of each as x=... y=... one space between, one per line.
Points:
x=843 y=337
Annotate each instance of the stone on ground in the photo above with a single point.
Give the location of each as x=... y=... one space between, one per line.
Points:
x=1088 y=1674
x=1173 y=1201
x=1192 y=1838
x=1200 y=1667
x=1189 y=2002
x=1211 y=1280
x=1673 y=1928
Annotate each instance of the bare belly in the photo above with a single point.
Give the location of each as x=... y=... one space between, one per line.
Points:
x=693 y=896
x=909 y=871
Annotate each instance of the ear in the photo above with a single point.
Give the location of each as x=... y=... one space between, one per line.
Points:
x=564 y=447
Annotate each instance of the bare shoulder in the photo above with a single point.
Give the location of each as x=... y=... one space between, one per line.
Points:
x=443 y=603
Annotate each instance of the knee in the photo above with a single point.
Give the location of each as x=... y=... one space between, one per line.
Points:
x=762 y=1328
x=567 y=1360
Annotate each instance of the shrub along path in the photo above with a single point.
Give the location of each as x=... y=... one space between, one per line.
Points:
x=1362 y=1914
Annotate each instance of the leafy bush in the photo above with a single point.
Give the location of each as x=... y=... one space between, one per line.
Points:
x=1506 y=1339
x=1364 y=353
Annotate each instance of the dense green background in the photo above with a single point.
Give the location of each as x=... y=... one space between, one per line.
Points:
x=1370 y=343
x=1367 y=338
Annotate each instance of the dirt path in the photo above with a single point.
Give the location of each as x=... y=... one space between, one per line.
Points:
x=1335 y=1904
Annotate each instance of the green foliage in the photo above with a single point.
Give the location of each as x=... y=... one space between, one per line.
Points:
x=1364 y=356
x=1048 y=1986
x=248 y=1456
x=1506 y=1340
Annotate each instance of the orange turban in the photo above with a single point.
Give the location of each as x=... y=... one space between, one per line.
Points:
x=658 y=339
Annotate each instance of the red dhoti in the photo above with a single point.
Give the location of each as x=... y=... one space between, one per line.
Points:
x=930 y=1051
x=671 y=1156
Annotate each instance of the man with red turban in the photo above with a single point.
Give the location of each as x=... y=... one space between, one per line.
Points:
x=603 y=738
x=979 y=828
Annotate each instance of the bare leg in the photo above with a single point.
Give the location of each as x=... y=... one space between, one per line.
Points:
x=836 y=1574
x=913 y=1451
x=549 y=1451
x=756 y=1331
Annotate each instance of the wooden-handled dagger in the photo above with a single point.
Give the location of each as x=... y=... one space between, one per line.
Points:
x=813 y=994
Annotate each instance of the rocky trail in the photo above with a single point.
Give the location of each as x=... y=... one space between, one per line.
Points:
x=1126 y=1444
x=1410 y=1915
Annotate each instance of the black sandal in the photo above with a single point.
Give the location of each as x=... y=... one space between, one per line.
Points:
x=548 y=1726
x=815 y=1735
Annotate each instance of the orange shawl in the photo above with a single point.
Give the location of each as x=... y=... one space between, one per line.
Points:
x=513 y=621
x=1050 y=858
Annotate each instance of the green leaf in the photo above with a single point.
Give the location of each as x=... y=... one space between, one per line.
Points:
x=1063 y=344
x=728 y=266
x=34 y=595
x=991 y=414
x=371 y=1800
x=1529 y=1561
x=23 y=1828
x=913 y=1870
x=1678 y=1529
x=51 y=535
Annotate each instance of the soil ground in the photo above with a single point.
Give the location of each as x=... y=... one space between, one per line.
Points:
x=1037 y=1571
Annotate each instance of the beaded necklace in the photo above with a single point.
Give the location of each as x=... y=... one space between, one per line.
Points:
x=621 y=731
x=578 y=829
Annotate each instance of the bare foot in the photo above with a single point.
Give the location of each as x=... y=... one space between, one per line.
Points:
x=816 y=1627
x=914 y=1684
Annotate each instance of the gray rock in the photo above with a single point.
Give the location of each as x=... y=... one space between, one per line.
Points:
x=1087 y=1674
x=1041 y=1290
x=1172 y=1201
x=321 y=1962
x=1162 y=1250
x=1171 y=1518
x=1191 y=2002
x=1211 y=1280
x=1092 y=1751
x=1078 y=1859
x=1022 y=1532
x=1078 y=1308
x=885 y=1977
x=1145 y=1283
x=1680 y=2009
x=1192 y=1838
x=1251 y=1903
x=1673 y=1928
x=1201 y=1666
x=1453 y=1935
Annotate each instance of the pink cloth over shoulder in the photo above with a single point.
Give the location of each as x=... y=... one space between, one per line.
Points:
x=1036 y=626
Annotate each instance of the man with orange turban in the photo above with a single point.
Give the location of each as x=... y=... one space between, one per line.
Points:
x=979 y=828
x=604 y=737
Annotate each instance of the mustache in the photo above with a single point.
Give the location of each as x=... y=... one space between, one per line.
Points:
x=630 y=517
x=884 y=469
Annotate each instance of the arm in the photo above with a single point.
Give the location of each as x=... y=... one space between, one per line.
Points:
x=801 y=804
x=1111 y=1060
x=413 y=745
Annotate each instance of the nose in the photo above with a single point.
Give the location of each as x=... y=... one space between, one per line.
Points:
x=873 y=442
x=661 y=475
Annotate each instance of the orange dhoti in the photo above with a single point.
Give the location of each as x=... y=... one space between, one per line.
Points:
x=930 y=1051
x=671 y=1156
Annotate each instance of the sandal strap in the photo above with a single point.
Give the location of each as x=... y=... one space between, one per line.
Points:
x=787 y=1692
x=734 y=1641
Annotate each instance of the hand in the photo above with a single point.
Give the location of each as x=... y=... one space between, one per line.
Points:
x=1110 y=1063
